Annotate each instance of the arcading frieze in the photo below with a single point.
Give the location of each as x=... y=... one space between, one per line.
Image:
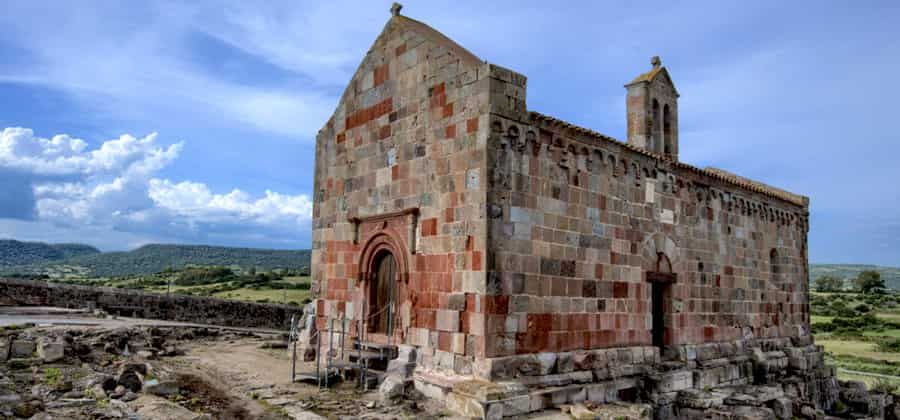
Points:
x=619 y=161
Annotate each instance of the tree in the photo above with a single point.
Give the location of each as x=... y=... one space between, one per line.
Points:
x=869 y=281
x=828 y=284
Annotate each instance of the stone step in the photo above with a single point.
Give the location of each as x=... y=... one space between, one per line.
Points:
x=389 y=350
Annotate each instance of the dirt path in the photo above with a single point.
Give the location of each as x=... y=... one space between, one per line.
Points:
x=263 y=376
x=243 y=363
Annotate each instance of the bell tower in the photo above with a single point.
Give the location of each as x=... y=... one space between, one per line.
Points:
x=652 y=104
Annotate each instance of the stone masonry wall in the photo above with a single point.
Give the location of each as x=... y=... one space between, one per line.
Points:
x=400 y=165
x=578 y=219
x=181 y=308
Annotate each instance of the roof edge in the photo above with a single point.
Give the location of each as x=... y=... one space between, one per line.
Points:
x=714 y=173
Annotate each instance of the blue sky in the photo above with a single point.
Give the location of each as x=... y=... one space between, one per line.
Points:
x=194 y=122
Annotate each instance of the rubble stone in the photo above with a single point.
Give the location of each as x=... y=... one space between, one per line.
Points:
x=50 y=352
x=20 y=349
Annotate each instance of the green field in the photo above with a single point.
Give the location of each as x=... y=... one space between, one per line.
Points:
x=270 y=288
x=854 y=329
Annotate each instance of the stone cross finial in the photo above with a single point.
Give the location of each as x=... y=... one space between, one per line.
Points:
x=655 y=61
x=395 y=9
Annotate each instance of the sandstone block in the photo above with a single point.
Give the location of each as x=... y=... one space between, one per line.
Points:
x=529 y=364
x=564 y=362
x=4 y=349
x=161 y=388
x=583 y=359
x=750 y=413
x=456 y=302
x=50 y=352
x=393 y=387
x=675 y=381
x=695 y=398
x=600 y=360
x=547 y=362
x=20 y=349
x=447 y=320
x=707 y=352
x=782 y=408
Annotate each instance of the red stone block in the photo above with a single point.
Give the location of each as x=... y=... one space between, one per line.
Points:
x=400 y=50
x=341 y=138
x=384 y=132
x=471 y=125
x=447 y=111
x=613 y=258
x=429 y=227
x=448 y=214
x=470 y=302
x=476 y=261
x=709 y=333
x=444 y=341
x=450 y=131
x=382 y=73
x=560 y=322
x=620 y=289
x=495 y=304
x=445 y=284
x=395 y=172
x=438 y=101
x=437 y=89
x=621 y=321
x=729 y=270
x=539 y=322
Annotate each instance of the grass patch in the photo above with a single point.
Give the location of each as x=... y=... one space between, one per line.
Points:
x=856 y=348
x=52 y=376
x=869 y=380
x=297 y=296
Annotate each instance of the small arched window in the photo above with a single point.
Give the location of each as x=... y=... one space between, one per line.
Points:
x=774 y=268
x=655 y=132
x=667 y=131
x=663 y=264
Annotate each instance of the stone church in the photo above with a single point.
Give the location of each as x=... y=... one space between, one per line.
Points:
x=531 y=262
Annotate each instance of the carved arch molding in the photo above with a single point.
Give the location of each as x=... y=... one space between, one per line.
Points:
x=389 y=232
x=660 y=254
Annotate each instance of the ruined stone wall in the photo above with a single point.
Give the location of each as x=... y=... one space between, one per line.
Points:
x=579 y=219
x=400 y=165
x=142 y=304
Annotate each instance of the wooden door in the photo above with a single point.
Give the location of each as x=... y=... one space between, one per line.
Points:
x=384 y=290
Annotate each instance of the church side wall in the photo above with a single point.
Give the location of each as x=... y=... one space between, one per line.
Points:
x=577 y=222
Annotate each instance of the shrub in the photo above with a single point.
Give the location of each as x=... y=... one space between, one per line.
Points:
x=885 y=386
x=890 y=345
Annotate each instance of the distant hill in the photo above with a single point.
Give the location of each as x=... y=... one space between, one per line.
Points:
x=14 y=252
x=150 y=259
x=890 y=275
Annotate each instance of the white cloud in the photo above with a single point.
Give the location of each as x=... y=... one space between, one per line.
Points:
x=116 y=186
x=194 y=200
x=123 y=68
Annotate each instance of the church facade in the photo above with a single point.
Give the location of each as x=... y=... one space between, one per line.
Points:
x=450 y=217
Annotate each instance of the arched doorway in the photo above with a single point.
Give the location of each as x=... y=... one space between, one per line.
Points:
x=660 y=295
x=661 y=263
x=383 y=293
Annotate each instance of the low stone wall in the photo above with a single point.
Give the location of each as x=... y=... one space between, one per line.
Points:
x=775 y=378
x=142 y=304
